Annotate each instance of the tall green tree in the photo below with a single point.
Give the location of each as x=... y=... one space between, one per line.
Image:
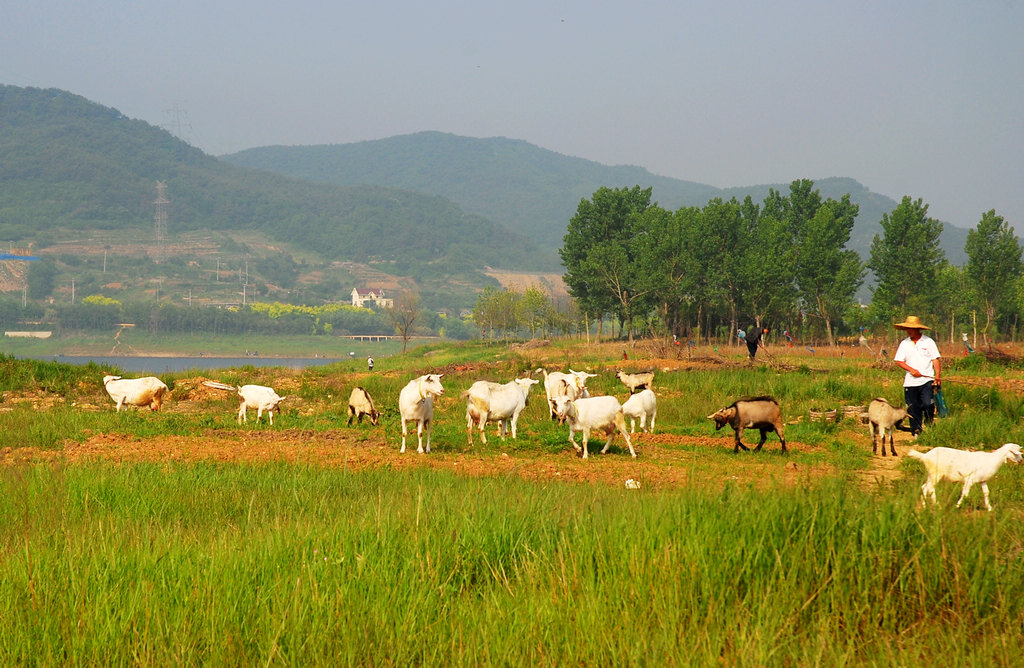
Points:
x=956 y=298
x=768 y=280
x=721 y=250
x=993 y=265
x=533 y=309
x=668 y=260
x=601 y=253
x=827 y=273
x=906 y=260
x=485 y=312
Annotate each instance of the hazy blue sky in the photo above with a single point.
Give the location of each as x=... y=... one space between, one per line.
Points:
x=909 y=98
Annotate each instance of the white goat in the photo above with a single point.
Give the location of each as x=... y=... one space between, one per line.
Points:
x=641 y=406
x=259 y=397
x=636 y=381
x=559 y=384
x=360 y=403
x=960 y=465
x=491 y=402
x=416 y=402
x=148 y=391
x=600 y=413
x=884 y=417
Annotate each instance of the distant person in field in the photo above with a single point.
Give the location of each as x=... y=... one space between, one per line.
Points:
x=753 y=340
x=967 y=344
x=919 y=357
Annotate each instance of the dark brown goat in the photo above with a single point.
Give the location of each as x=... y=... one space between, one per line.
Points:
x=761 y=413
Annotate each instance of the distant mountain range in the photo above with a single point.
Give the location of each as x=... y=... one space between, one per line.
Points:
x=434 y=207
x=528 y=189
x=68 y=165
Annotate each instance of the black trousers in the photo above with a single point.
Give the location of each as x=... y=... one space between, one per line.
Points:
x=920 y=405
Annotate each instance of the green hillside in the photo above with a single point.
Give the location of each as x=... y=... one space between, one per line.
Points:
x=527 y=188
x=69 y=166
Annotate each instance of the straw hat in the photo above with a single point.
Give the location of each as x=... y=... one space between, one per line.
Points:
x=912 y=322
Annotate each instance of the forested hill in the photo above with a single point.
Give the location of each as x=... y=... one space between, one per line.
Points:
x=68 y=165
x=530 y=189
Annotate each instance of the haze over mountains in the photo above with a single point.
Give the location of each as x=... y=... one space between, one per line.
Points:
x=530 y=189
x=68 y=165
x=430 y=206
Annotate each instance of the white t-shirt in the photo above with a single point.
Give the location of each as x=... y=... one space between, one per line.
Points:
x=918 y=355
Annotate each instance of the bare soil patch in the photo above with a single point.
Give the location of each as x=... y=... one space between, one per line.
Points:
x=665 y=461
x=550 y=284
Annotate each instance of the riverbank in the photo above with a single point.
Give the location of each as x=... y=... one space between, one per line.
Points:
x=144 y=344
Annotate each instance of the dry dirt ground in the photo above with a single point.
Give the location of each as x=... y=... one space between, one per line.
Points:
x=662 y=462
x=665 y=460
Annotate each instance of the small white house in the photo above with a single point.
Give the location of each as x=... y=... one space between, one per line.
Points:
x=360 y=298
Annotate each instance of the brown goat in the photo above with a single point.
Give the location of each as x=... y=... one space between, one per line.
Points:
x=761 y=413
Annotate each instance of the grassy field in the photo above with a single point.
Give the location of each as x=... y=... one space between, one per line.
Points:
x=182 y=538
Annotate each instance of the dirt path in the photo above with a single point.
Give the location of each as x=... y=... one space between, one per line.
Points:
x=665 y=461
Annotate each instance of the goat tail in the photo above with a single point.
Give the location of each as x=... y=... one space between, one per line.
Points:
x=219 y=386
x=915 y=454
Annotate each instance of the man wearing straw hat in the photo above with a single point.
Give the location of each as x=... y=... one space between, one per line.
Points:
x=919 y=357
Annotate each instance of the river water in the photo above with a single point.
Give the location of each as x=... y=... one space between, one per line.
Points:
x=134 y=364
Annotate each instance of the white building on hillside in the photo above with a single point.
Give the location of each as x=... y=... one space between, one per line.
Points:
x=359 y=298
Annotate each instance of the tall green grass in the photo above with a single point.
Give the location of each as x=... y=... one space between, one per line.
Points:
x=215 y=565
x=43 y=376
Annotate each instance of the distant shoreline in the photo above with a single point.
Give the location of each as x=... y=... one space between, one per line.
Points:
x=199 y=346
x=197 y=355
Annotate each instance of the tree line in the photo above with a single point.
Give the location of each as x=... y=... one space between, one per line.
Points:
x=703 y=272
x=510 y=314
